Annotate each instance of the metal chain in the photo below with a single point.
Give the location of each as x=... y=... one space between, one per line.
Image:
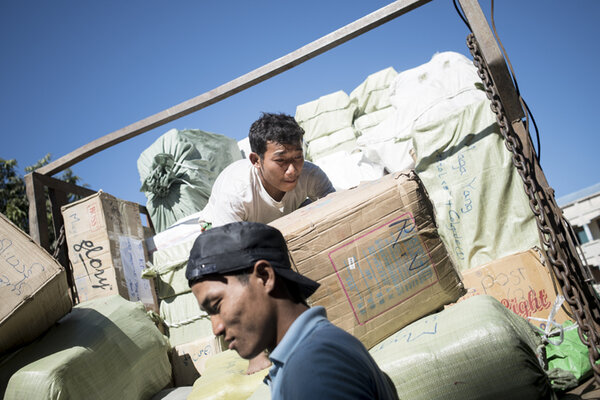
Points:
x=556 y=246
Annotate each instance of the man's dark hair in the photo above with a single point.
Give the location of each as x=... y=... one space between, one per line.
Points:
x=243 y=275
x=278 y=128
x=293 y=289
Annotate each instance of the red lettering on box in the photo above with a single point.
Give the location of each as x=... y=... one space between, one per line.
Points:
x=93 y=214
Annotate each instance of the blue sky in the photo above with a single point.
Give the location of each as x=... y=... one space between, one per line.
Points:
x=73 y=71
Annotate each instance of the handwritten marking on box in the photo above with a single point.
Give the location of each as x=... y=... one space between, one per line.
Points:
x=392 y=267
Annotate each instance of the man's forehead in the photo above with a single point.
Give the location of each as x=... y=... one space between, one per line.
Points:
x=209 y=283
x=282 y=148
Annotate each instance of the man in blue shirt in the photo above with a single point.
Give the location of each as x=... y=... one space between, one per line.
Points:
x=241 y=275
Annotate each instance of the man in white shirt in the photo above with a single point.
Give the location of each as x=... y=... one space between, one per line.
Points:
x=274 y=180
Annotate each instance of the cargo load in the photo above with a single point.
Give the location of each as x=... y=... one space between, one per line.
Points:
x=376 y=253
x=178 y=308
x=185 y=320
x=106 y=242
x=482 y=210
x=225 y=378
x=178 y=170
x=188 y=327
x=523 y=284
x=373 y=93
x=106 y=348
x=189 y=359
x=329 y=113
x=34 y=292
x=474 y=350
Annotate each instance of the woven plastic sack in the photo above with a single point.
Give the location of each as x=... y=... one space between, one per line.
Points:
x=347 y=170
x=379 y=142
x=571 y=355
x=416 y=90
x=178 y=393
x=262 y=392
x=481 y=207
x=476 y=349
x=325 y=115
x=367 y=122
x=178 y=170
x=106 y=348
x=342 y=140
x=225 y=378
x=184 y=318
x=168 y=269
x=374 y=92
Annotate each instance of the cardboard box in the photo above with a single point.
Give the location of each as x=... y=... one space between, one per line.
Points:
x=34 y=293
x=521 y=282
x=376 y=252
x=105 y=238
x=189 y=359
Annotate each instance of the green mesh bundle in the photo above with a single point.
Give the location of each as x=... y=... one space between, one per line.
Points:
x=178 y=170
x=106 y=348
x=476 y=349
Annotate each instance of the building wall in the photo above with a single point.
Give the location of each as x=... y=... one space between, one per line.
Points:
x=584 y=216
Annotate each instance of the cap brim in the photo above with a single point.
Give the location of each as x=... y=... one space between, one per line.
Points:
x=307 y=286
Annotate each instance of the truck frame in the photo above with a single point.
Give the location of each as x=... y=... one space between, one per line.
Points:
x=558 y=240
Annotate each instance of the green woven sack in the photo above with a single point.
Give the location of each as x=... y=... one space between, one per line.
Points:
x=106 y=348
x=185 y=320
x=481 y=207
x=178 y=170
x=168 y=269
x=568 y=362
x=476 y=349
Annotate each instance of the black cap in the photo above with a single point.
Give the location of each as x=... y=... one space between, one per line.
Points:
x=239 y=245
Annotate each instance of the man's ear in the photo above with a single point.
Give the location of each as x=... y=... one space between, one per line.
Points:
x=254 y=159
x=265 y=275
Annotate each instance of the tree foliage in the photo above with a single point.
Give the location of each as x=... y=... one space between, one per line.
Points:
x=13 y=198
x=13 y=194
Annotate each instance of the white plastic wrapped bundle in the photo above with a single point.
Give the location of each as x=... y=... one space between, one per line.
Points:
x=346 y=170
x=367 y=122
x=445 y=76
x=374 y=92
x=344 y=139
x=380 y=146
x=325 y=115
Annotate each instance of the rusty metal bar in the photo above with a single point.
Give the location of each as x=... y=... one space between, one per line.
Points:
x=38 y=221
x=62 y=186
x=311 y=50
x=495 y=61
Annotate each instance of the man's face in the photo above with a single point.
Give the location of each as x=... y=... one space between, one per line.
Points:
x=238 y=311
x=280 y=167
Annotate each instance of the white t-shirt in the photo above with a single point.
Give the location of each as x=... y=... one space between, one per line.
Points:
x=238 y=195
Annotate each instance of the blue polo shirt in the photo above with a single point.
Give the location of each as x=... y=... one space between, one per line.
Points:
x=317 y=360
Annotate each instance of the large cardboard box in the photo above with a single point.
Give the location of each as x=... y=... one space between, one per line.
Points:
x=189 y=359
x=34 y=292
x=376 y=252
x=105 y=238
x=521 y=282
